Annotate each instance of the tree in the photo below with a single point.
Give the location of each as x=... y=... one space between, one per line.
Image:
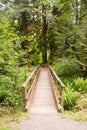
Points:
x=44 y=32
x=77 y=12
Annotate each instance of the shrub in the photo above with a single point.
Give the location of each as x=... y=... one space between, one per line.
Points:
x=11 y=92
x=36 y=59
x=80 y=84
x=67 y=70
x=71 y=98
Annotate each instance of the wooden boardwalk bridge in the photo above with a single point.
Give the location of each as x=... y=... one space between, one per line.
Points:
x=41 y=93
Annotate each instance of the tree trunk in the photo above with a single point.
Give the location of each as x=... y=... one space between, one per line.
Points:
x=24 y=33
x=77 y=12
x=24 y=29
x=44 y=30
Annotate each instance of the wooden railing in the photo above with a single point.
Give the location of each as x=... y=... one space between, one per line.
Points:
x=55 y=81
x=27 y=92
x=31 y=83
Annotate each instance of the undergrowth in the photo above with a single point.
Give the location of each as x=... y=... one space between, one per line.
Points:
x=71 y=98
x=11 y=92
x=71 y=75
x=79 y=116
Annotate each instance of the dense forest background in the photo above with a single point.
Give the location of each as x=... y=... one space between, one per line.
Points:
x=36 y=32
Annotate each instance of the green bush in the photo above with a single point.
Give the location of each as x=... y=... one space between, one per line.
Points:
x=80 y=84
x=10 y=97
x=67 y=70
x=71 y=98
x=3 y=96
x=11 y=92
x=12 y=72
x=36 y=59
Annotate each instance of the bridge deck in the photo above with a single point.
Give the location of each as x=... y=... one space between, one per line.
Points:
x=43 y=100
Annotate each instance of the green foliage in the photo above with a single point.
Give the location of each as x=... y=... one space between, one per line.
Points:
x=36 y=59
x=4 y=128
x=78 y=115
x=80 y=84
x=11 y=95
x=69 y=73
x=67 y=38
x=13 y=69
x=66 y=69
x=71 y=98
x=11 y=74
x=2 y=112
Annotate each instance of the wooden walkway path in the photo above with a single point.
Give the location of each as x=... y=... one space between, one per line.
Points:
x=43 y=100
x=43 y=95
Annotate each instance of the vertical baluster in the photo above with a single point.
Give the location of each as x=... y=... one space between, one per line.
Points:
x=61 y=94
x=24 y=93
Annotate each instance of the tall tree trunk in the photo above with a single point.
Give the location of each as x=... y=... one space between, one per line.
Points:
x=77 y=12
x=44 y=31
x=24 y=29
x=24 y=32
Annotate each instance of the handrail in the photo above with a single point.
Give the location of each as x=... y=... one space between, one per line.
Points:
x=56 y=77
x=62 y=86
x=32 y=80
x=30 y=77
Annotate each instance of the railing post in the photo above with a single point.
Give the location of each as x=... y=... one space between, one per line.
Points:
x=24 y=93
x=61 y=94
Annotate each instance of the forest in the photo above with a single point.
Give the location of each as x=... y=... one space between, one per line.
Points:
x=36 y=32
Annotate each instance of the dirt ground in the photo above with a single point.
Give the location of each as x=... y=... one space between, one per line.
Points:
x=51 y=122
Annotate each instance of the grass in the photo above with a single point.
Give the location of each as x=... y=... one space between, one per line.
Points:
x=3 y=128
x=79 y=116
x=80 y=112
x=11 y=121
